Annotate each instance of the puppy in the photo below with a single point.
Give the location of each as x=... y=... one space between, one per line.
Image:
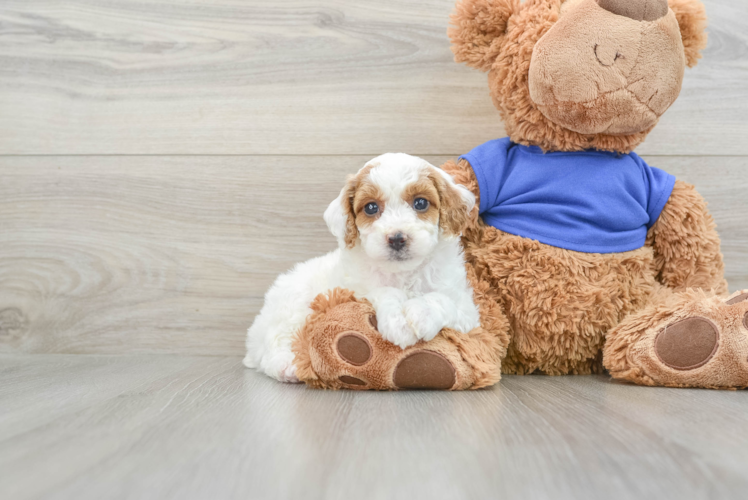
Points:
x=398 y=223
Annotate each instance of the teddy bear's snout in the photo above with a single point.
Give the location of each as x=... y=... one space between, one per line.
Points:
x=617 y=76
x=638 y=10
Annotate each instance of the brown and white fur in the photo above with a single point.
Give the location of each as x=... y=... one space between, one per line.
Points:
x=405 y=258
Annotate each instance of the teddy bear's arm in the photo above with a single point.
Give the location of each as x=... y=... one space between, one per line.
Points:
x=686 y=244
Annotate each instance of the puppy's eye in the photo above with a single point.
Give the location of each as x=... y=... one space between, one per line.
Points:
x=371 y=208
x=420 y=204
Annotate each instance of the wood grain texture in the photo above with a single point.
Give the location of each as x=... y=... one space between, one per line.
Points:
x=292 y=77
x=174 y=254
x=163 y=427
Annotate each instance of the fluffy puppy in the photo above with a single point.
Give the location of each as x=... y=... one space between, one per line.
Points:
x=398 y=223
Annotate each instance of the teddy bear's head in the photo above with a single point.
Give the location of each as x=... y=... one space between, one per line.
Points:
x=569 y=75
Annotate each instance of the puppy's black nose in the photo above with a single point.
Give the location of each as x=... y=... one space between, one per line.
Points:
x=396 y=241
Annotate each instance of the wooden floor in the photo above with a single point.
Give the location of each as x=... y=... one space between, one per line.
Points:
x=189 y=427
x=161 y=161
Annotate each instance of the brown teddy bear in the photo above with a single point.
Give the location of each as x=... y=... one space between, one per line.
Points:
x=581 y=255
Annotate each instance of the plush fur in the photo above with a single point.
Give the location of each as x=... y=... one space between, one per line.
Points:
x=570 y=76
x=565 y=76
x=403 y=258
x=564 y=307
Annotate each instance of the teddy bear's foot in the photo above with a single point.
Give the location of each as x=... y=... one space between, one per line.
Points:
x=417 y=369
x=340 y=347
x=687 y=340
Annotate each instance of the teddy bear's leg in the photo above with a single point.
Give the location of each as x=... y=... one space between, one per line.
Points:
x=688 y=338
x=340 y=347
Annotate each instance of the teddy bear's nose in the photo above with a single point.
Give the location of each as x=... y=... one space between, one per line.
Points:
x=638 y=10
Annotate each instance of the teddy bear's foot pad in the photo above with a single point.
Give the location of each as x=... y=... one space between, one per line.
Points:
x=424 y=370
x=738 y=299
x=347 y=379
x=687 y=344
x=354 y=348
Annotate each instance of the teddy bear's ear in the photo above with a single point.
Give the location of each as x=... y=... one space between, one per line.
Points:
x=691 y=18
x=477 y=29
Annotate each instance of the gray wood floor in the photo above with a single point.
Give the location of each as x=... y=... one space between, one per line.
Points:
x=161 y=161
x=188 y=427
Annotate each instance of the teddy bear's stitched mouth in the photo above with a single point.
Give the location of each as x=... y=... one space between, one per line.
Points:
x=617 y=56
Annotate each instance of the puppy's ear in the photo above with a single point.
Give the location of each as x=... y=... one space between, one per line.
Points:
x=478 y=28
x=455 y=202
x=339 y=215
x=691 y=18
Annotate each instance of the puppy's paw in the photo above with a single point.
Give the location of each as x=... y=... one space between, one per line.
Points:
x=426 y=322
x=395 y=328
x=288 y=374
x=281 y=368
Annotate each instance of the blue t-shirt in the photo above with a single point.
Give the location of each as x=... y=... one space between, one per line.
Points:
x=587 y=201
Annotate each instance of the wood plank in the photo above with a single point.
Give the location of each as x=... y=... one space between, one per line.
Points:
x=292 y=77
x=173 y=254
x=204 y=427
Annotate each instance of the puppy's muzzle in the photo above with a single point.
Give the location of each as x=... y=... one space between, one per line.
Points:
x=397 y=241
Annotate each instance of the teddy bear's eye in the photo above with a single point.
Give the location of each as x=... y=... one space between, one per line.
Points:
x=371 y=208
x=420 y=204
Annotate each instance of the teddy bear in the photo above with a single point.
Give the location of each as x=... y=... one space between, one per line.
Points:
x=582 y=257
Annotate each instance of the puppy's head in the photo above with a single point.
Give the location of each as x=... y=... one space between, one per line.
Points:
x=398 y=207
